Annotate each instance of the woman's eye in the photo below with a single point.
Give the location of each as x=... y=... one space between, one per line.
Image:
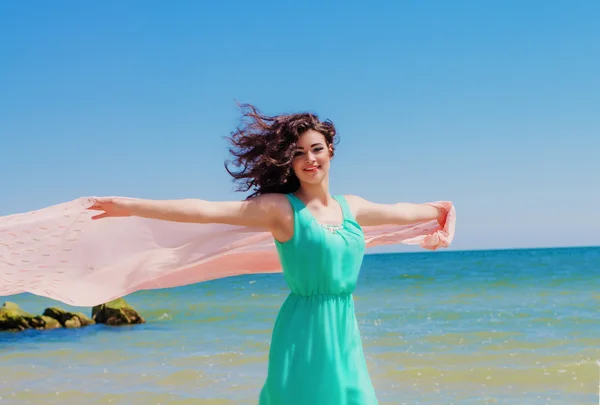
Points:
x=298 y=153
x=320 y=148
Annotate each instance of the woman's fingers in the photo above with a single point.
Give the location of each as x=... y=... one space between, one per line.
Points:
x=99 y=203
x=100 y=216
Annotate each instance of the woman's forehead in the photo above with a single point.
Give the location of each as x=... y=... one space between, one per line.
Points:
x=310 y=138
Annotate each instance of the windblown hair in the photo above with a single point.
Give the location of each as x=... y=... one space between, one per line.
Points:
x=263 y=148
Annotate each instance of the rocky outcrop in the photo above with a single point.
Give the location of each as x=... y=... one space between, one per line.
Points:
x=68 y=319
x=13 y=318
x=116 y=312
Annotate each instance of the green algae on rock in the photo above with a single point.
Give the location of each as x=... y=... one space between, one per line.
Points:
x=14 y=319
x=116 y=312
x=68 y=319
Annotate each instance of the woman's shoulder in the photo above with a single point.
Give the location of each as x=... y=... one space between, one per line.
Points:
x=354 y=202
x=281 y=211
x=278 y=204
x=273 y=198
x=352 y=199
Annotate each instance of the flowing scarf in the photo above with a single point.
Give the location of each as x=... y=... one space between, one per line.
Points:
x=58 y=252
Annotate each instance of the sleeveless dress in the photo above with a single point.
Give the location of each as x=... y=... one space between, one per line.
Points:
x=316 y=355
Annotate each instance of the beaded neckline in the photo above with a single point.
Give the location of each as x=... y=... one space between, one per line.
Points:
x=331 y=228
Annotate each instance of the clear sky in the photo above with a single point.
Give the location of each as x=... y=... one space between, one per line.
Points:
x=493 y=105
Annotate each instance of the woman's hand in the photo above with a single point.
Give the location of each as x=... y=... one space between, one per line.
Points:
x=442 y=216
x=111 y=207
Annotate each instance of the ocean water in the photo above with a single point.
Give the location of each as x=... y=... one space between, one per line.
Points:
x=518 y=327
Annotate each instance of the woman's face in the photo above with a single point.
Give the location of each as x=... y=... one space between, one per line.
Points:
x=311 y=158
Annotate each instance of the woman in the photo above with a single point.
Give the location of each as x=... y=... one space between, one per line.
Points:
x=316 y=354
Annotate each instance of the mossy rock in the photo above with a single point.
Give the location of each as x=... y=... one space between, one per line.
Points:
x=10 y=305
x=116 y=312
x=50 y=323
x=68 y=319
x=13 y=318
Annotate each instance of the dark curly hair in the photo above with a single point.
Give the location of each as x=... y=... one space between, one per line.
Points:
x=263 y=148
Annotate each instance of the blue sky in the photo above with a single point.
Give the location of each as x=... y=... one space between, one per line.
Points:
x=493 y=105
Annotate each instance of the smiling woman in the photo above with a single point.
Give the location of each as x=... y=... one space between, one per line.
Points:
x=312 y=156
x=269 y=149
x=289 y=222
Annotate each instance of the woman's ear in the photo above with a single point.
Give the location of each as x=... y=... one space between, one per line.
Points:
x=330 y=150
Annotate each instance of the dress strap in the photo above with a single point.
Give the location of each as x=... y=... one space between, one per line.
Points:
x=297 y=205
x=345 y=207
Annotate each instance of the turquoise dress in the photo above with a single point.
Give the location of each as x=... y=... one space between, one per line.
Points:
x=316 y=355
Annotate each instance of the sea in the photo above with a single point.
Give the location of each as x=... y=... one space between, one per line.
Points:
x=518 y=327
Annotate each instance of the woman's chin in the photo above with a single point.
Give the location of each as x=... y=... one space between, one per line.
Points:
x=312 y=180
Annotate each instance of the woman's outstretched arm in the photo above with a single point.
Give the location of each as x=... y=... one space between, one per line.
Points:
x=368 y=213
x=261 y=211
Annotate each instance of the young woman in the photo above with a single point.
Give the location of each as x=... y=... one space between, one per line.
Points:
x=316 y=354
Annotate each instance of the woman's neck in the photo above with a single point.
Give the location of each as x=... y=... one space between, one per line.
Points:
x=315 y=192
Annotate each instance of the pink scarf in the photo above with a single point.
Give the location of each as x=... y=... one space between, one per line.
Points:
x=60 y=253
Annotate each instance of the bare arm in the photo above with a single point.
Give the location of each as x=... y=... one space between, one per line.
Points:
x=262 y=211
x=368 y=213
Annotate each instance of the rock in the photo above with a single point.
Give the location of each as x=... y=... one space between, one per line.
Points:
x=56 y=313
x=50 y=323
x=13 y=318
x=73 y=323
x=84 y=319
x=68 y=319
x=116 y=312
x=10 y=305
